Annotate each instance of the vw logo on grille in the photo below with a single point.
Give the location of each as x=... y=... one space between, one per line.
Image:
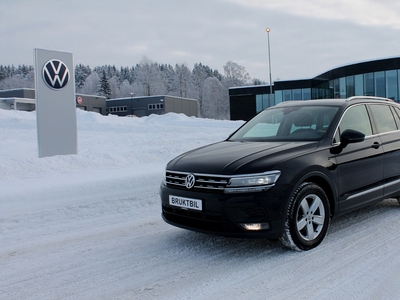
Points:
x=189 y=181
x=55 y=74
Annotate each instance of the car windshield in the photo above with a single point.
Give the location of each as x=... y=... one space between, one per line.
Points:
x=297 y=123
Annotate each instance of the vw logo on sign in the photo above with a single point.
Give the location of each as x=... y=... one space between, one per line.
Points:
x=55 y=74
x=189 y=181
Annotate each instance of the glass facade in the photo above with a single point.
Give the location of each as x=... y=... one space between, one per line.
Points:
x=373 y=83
x=291 y=95
x=384 y=84
x=263 y=101
x=391 y=84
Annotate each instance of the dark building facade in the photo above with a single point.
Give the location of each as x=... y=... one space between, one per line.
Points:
x=91 y=103
x=145 y=106
x=18 y=93
x=380 y=78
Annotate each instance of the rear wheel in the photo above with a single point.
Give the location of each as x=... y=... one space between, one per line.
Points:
x=307 y=218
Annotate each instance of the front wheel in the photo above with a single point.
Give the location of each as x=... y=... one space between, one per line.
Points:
x=307 y=218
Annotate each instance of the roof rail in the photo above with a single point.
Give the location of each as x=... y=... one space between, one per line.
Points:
x=369 y=98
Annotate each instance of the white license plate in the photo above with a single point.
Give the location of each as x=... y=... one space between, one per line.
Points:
x=185 y=202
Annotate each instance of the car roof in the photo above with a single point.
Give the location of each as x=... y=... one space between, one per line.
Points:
x=336 y=102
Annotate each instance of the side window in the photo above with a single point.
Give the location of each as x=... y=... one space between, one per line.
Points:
x=396 y=113
x=356 y=118
x=383 y=118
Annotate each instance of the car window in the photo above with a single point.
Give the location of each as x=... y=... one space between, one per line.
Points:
x=383 y=118
x=296 y=123
x=396 y=113
x=355 y=118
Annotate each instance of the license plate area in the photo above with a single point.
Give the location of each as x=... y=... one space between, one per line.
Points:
x=185 y=203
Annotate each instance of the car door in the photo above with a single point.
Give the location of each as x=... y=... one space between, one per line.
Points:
x=384 y=121
x=359 y=165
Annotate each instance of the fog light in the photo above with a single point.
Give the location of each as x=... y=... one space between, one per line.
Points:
x=255 y=226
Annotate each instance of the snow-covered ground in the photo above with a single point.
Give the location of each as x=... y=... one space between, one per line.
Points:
x=88 y=226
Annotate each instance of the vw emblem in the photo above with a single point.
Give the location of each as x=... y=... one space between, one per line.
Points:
x=189 y=181
x=55 y=74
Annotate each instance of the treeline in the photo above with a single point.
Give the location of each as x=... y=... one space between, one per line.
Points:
x=149 y=78
x=16 y=77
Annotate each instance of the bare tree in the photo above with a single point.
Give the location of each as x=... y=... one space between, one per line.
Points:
x=182 y=79
x=91 y=84
x=215 y=99
x=18 y=81
x=125 y=89
x=235 y=75
x=149 y=78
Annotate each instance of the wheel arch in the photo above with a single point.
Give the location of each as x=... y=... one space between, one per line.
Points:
x=322 y=180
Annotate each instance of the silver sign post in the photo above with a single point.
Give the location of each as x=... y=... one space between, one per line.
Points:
x=55 y=103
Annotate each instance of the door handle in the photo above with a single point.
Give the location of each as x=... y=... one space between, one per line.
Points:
x=376 y=145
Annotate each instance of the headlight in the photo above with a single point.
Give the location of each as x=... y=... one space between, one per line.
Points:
x=252 y=183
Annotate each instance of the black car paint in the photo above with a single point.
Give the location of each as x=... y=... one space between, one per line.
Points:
x=342 y=174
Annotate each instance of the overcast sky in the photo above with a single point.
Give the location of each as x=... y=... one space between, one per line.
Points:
x=308 y=37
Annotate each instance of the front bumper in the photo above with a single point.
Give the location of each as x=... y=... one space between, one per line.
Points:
x=222 y=214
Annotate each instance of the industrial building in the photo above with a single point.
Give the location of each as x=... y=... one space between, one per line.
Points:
x=380 y=78
x=24 y=99
x=145 y=106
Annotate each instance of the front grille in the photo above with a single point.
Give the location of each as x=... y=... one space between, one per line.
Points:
x=203 y=182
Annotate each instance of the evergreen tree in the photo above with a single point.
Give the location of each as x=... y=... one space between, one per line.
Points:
x=104 y=86
x=168 y=75
x=257 y=81
x=81 y=73
x=3 y=72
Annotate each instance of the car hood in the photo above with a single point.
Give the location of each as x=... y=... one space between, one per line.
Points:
x=230 y=157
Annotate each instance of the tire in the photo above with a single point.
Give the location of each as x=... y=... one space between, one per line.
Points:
x=307 y=219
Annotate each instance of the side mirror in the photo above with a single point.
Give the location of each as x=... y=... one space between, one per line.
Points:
x=349 y=136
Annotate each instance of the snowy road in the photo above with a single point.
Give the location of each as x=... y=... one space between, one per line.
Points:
x=121 y=249
x=95 y=232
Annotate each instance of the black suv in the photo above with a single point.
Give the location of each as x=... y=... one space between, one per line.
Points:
x=288 y=171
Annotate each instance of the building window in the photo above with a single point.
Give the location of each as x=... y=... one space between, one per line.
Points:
x=391 y=85
x=155 y=106
x=358 y=85
x=380 y=90
x=336 y=88
x=278 y=97
x=321 y=91
x=369 y=89
x=296 y=94
x=306 y=94
x=262 y=102
x=350 y=86
x=342 y=87
x=266 y=102
x=287 y=95
x=117 y=109
x=259 y=103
